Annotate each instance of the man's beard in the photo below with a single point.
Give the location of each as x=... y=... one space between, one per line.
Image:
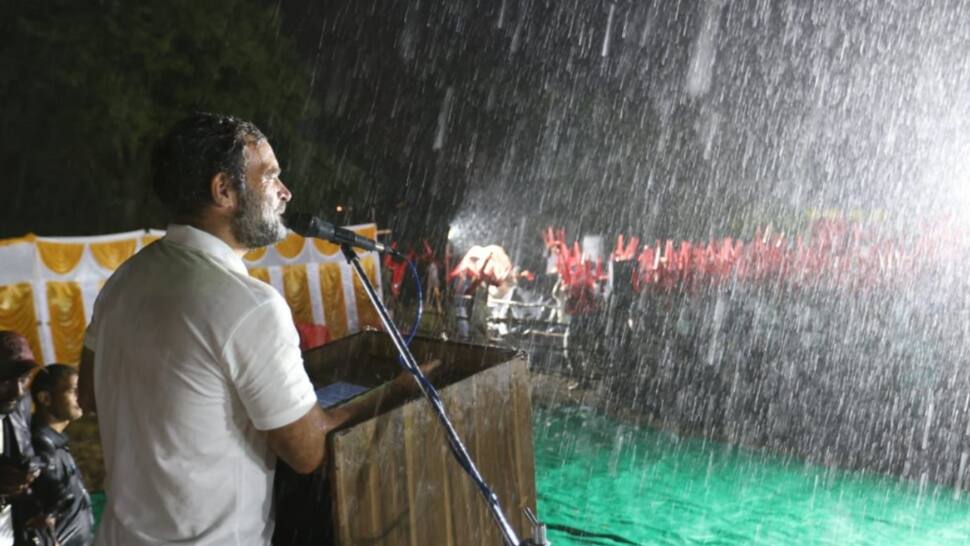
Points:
x=255 y=224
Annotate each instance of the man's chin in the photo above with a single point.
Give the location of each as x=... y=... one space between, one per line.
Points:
x=280 y=232
x=261 y=236
x=6 y=408
x=281 y=225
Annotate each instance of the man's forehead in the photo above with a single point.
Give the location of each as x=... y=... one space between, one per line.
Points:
x=260 y=153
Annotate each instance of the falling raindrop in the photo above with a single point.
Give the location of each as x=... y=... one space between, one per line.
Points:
x=440 y=133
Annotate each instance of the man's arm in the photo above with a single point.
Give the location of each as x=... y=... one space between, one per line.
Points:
x=85 y=382
x=302 y=443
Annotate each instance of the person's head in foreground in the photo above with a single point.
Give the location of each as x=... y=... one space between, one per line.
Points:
x=17 y=370
x=55 y=395
x=219 y=172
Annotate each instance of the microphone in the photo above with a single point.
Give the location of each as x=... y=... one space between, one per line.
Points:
x=309 y=225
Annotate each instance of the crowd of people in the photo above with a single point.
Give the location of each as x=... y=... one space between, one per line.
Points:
x=830 y=253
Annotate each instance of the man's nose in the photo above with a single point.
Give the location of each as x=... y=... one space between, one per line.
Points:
x=285 y=194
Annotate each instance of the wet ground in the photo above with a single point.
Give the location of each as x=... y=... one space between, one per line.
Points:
x=614 y=478
x=605 y=481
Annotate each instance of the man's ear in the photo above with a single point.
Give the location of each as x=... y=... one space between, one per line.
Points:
x=43 y=398
x=222 y=191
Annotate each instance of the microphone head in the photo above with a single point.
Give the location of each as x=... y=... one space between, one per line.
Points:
x=308 y=225
x=303 y=223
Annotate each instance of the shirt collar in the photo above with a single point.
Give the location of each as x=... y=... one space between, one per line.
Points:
x=206 y=242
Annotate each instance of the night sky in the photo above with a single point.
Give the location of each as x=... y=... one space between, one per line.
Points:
x=683 y=119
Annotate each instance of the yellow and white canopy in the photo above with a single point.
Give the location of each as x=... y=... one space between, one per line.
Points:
x=48 y=284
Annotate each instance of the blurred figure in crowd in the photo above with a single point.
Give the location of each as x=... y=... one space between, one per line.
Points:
x=18 y=466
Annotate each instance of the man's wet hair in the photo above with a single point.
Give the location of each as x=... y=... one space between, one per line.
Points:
x=49 y=377
x=195 y=150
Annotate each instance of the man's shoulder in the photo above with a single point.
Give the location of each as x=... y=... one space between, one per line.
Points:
x=247 y=288
x=165 y=262
x=194 y=261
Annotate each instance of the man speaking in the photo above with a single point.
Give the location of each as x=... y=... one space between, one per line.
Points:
x=193 y=366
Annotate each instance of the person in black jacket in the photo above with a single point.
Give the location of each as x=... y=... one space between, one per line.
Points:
x=59 y=491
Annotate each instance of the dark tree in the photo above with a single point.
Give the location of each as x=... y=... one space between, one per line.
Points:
x=88 y=86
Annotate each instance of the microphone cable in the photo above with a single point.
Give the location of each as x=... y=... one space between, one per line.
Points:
x=420 y=313
x=455 y=444
x=459 y=449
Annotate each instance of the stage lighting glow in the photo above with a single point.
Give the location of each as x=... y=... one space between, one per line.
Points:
x=454 y=232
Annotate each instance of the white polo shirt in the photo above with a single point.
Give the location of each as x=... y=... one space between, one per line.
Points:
x=193 y=358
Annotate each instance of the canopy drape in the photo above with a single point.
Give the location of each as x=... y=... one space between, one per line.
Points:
x=48 y=285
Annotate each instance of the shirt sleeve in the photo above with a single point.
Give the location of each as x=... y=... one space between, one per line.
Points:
x=266 y=367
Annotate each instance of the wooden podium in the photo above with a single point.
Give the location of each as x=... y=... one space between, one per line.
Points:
x=391 y=480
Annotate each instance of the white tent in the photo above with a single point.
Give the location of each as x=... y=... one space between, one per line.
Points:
x=48 y=285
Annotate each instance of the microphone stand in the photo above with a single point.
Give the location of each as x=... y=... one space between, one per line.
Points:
x=457 y=448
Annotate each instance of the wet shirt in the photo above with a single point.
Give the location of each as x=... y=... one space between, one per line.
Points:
x=193 y=360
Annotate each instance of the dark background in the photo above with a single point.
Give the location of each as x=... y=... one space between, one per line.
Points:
x=492 y=119
x=686 y=119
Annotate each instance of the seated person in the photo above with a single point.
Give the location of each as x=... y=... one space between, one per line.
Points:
x=58 y=491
